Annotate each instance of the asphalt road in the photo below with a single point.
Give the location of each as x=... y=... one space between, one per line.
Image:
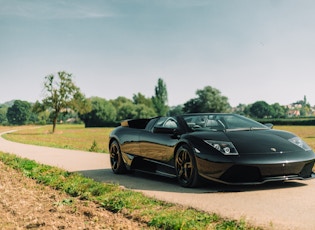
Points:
x=289 y=205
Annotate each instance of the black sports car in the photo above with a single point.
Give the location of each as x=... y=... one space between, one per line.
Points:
x=226 y=148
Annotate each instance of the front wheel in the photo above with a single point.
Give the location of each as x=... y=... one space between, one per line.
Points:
x=116 y=161
x=185 y=166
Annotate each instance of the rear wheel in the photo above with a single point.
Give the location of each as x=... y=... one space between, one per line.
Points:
x=185 y=166
x=116 y=161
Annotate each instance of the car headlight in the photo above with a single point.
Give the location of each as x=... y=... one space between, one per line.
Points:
x=227 y=148
x=299 y=142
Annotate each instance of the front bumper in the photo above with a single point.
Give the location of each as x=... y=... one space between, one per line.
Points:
x=259 y=174
x=258 y=171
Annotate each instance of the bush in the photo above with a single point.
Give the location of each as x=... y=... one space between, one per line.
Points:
x=289 y=121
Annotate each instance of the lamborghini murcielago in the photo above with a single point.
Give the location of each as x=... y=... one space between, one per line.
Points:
x=226 y=148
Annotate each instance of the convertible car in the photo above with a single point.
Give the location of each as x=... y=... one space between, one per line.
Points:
x=226 y=148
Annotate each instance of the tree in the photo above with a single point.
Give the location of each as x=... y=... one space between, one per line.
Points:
x=277 y=111
x=260 y=109
x=138 y=108
x=120 y=101
x=62 y=94
x=19 y=112
x=160 y=98
x=141 y=99
x=240 y=109
x=41 y=112
x=102 y=113
x=126 y=110
x=144 y=111
x=176 y=110
x=209 y=100
x=3 y=114
x=306 y=107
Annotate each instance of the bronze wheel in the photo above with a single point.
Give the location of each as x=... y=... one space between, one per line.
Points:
x=116 y=161
x=185 y=166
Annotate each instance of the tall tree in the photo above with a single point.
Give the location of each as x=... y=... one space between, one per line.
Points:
x=160 y=99
x=306 y=107
x=209 y=100
x=62 y=94
x=19 y=112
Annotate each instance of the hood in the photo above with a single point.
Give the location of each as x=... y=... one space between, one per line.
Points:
x=262 y=141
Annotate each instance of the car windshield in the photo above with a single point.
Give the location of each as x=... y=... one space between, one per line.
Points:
x=227 y=122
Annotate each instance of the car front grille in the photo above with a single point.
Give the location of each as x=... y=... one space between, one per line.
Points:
x=241 y=174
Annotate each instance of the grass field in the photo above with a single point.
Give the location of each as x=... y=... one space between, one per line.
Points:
x=66 y=136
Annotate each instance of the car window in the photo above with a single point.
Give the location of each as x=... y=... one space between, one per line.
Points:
x=161 y=121
x=168 y=122
x=235 y=122
x=218 y=122
x=151 y=123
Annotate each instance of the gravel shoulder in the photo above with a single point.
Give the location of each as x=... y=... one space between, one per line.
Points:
x=24 y=204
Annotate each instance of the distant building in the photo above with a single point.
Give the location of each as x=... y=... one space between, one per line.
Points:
x=293 y=113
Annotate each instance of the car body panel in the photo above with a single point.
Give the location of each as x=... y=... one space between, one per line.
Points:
x=157 y=146
x=263 y=154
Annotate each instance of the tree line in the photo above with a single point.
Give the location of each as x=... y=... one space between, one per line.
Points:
x=64 y=102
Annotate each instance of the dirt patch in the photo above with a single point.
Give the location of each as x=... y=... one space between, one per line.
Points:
x=24 y=204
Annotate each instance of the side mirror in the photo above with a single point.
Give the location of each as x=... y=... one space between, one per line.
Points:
x=269 y=125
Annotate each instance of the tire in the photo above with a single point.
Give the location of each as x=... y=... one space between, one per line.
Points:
x=116 y=161
x=186 y=169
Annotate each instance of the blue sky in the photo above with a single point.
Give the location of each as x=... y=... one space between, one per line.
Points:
x=250 y=50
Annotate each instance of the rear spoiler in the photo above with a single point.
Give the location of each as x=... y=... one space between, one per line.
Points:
x=136 y=123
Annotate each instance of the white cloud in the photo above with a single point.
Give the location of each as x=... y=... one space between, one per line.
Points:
x=54 y=9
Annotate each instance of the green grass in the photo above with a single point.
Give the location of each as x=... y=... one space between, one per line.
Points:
x=65 y=136
x=156 y=214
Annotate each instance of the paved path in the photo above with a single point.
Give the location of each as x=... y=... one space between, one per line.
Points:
x=289 y=205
